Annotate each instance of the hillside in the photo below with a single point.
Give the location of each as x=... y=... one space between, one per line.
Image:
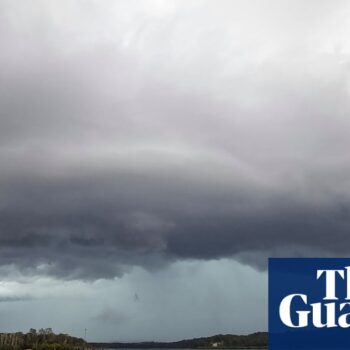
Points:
x=255 y=340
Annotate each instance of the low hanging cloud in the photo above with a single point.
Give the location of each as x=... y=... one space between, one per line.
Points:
x=171 y=133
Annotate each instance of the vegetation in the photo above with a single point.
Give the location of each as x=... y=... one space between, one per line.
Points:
x=43 y=339
x=253 y=341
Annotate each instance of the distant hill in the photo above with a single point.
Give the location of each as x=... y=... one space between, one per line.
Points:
x=44 y=339
x=220 y=341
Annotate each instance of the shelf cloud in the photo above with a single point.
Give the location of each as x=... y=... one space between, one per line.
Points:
x=140 y=135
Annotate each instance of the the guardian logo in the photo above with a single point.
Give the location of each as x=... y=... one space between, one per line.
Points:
x=315 y=310
x=309 y=303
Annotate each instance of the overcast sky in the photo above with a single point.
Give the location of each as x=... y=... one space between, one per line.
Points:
x=154 y=153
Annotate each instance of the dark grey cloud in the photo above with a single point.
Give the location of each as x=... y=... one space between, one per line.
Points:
x=153 y=141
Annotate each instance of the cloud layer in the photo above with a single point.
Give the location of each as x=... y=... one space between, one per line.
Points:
x=140 y=135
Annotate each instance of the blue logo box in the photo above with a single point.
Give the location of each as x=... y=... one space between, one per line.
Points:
x=309 y=303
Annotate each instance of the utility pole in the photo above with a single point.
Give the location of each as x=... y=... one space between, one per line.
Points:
x=85 y=333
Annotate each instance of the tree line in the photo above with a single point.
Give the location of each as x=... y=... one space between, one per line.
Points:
x=257 y=340
x=42 y=339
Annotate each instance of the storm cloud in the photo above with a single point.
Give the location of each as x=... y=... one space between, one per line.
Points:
x=140 y=134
